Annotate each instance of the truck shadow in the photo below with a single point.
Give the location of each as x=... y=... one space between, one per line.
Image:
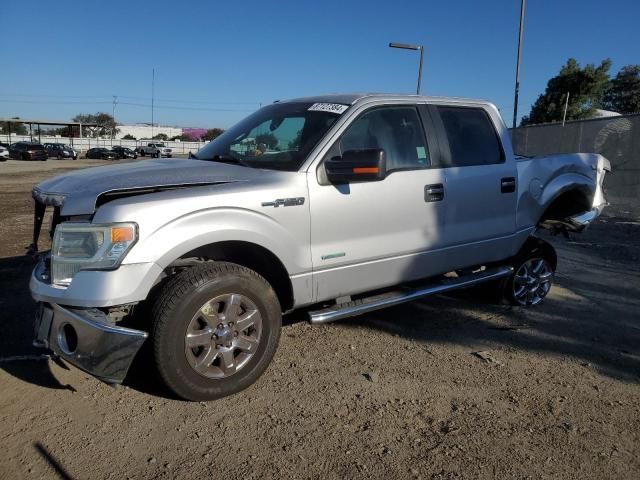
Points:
x=18 y=356
x=586 y=318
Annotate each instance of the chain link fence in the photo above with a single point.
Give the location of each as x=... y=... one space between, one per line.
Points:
x=616 y=138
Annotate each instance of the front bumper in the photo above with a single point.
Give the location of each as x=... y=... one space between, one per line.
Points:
x=130 y=283
x=85 y=338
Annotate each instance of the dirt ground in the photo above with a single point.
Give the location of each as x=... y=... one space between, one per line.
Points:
x=399 y=393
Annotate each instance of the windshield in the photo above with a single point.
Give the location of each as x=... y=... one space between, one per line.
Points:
x=277 y=137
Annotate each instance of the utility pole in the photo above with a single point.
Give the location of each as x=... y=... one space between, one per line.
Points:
x=153 y=86
x=566 y=105
x=517 y=89
x=113 y=115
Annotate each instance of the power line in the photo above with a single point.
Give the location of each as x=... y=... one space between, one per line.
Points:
x=174 y=107
x=132 y=104
x=52 y=96
x=54 y=102
x=191 y=101
x=166 y=100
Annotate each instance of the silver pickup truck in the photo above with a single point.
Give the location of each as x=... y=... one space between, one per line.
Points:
x=157 y=150
x=337 y=204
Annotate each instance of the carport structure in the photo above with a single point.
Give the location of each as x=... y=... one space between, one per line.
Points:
x=38 y=122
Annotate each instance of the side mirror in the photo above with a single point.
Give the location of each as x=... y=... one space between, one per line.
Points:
x=357 y=166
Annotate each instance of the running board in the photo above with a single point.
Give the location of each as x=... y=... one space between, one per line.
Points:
x=389 y=299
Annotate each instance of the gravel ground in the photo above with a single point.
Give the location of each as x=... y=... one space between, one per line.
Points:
x=399 y=393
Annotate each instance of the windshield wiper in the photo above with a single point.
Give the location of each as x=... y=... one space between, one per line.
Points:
x=229 y=159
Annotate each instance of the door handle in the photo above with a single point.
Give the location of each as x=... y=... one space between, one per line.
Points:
x=434 y=193
x=508 y=185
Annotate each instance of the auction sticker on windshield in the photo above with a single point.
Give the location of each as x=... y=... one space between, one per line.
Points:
x=328 y=107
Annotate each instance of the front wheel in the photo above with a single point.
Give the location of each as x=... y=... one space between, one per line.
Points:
x=215 y=330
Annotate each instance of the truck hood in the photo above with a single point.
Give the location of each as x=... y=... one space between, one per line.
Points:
x=80 y=192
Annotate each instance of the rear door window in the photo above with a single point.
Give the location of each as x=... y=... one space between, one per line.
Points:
x=471 y=136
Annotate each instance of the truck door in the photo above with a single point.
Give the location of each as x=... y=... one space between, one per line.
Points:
x=480 y=185
x=371 y=234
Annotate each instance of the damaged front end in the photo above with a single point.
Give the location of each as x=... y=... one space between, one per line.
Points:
x=88 y=338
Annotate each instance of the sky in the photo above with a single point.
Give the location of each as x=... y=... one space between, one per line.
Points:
x=215 y=62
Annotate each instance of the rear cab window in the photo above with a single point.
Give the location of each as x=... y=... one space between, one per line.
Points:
x=470 y=135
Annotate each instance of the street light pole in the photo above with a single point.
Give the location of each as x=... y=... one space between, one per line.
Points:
x=407 y=46
x=153 y=86
x=517 y=89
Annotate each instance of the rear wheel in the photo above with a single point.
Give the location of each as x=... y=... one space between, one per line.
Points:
x=530 y=282
x=532 y=277
x=216 y=328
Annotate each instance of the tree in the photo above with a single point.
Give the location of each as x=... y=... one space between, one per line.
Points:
x=269 y=139
x=161 y=136
x=297 y=140
x=14 y=128
x=623 y=95
x=128 y=136
x=586 y=88
x=212 y=133
x=106 y=125
x=182 y=138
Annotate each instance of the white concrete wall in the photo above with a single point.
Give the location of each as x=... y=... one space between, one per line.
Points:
x=144 y=131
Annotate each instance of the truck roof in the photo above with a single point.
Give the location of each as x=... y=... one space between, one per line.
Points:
x=352 y=98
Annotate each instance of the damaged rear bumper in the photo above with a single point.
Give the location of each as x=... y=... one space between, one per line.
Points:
x=578 y=223
x=86 y=339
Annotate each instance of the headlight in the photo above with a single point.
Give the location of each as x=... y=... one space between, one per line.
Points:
x=83 y=246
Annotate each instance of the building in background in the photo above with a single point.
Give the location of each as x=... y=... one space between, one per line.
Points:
x=144 y=131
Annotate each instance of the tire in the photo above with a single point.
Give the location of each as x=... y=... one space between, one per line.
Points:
x=59 y=157
x=220 y=363
x=532 y=277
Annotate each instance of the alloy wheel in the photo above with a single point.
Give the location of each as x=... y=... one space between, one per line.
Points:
x=223 y=335
x=532 y=281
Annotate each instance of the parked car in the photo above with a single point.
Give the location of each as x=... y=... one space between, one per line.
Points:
x=60 y=151
x=157 y=149
x=101 y=153
x=4 y=152
x=124 y=152
x=27 y=151
x=358 y=202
